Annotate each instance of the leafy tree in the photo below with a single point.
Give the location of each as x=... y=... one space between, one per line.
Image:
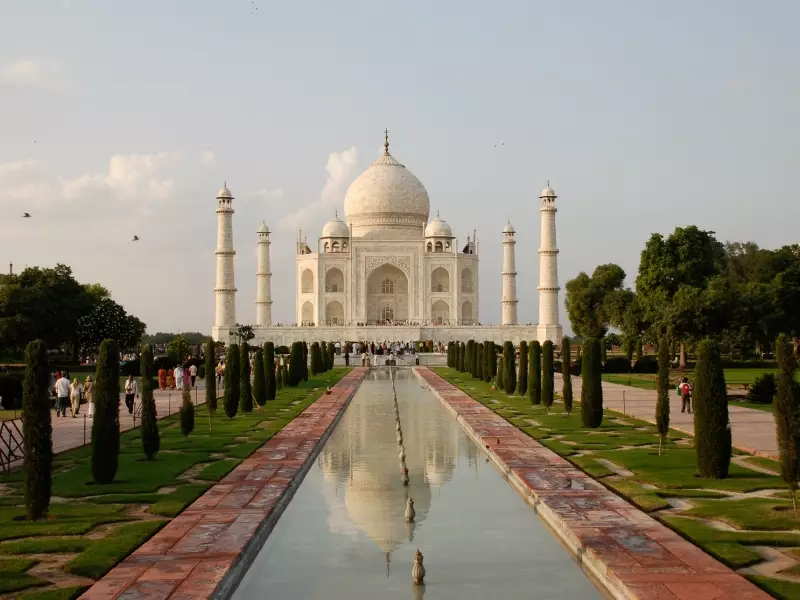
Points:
x=230 y=396
x=187 y=411
x=270 y=378
x=105 y=425
x=316 y=359
x=295 y=366
x=612 y=340
x=151 y=440
x=548 y=384
x=712 y=434
x=593 y=303
x=108 y=320
x=211 y=379
x=535 y=372
x=243 y=333
x=37 y=431
x=566 y=359
x=787 y=415
x=510 y=366
x=179 y=349
x=479 y=362
x=522 y=380
x=259 y=378
x=592 y=385
x=245 y=390
x=662 y=398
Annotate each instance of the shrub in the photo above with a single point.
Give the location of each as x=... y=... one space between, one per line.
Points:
x=787 y=415
x=712 y=434
x=187 y=410
x=270 y=380
x=245 y=389
x=295 y=364
x=230 y=397
x=282 y=350
x=151 y=441
x=211 y=380
x=535 y=372
x=566 y=390
x=617 y=364
x=662 y=394
x=548 y=384
x=316 y=359
x=522 y=380
x=164 y=362
x=259 y=381
x=479 y=363
x=11 y=391
x=201 y=372
x=105 y=425
x=305 y=361
x=646 y=364
x=37 y=431
x=510 y=366
x=763 y=389
x=592 y=384
x=130 y=367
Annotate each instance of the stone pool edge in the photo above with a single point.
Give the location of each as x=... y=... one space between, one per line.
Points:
x=668 y=567
x=204 y=551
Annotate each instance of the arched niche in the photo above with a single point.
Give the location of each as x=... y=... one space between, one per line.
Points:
x=334 y=281
x=440 y=312
x=307 y=282
x=387 y=295
x=467 y=281
x=440 y=280
x=334 y=313
x=467 y=318
x=308 y=313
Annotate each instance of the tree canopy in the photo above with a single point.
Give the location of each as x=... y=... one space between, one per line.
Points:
x=597 y=302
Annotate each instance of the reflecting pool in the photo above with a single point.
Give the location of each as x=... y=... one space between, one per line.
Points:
x=344 y=536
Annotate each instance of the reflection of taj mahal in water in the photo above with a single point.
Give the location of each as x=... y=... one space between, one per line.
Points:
x=387 y=264
x=360 y=461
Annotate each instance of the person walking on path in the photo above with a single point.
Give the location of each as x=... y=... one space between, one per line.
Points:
x=162 y=379
x=179 y=377
x=686 y=395
x=193 y=373
x=62 y=395
x=220 y=373
x=75 y=392
x=88 y=392
x=131 y=393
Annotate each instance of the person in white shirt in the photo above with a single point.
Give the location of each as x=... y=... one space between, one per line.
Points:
x=131 y=393
x=179 y=377
x=193 y=373
x=62 y=396
x=75 y=392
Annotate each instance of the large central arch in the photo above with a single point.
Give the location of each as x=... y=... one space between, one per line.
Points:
x=387 y=295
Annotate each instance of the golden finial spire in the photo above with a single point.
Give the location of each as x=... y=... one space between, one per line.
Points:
x=386 y=142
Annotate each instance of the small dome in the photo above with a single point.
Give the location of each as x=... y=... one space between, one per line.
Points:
x=224 y=192
x=438 y=228
x=509 y=228
x=263 y=228
x=335 y=228
x=547 y=192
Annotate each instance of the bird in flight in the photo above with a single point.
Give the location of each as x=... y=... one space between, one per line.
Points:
x=26 y=215
x=135 y=238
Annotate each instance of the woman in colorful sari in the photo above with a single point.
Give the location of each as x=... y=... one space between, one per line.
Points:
x=162 y=378
x=88 y=393
x=170 y=380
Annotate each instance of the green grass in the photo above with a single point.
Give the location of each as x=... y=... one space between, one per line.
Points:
x=172 y=504
x=64 y=593
x=779 y=588
x=43 y=545
x=13 y=577
x=218 y=469
x=103 y=554
x=767 y=514
x=63 y=519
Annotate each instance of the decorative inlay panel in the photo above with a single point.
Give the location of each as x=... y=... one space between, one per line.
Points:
x=401 y=262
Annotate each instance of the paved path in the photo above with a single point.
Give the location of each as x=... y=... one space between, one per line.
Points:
x=629 y=552
x=753 y=430
x=208 y=546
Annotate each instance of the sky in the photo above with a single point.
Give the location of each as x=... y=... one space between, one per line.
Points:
x=125 y=118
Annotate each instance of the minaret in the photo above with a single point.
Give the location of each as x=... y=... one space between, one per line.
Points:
x=263 y=280
x=509 y=277
x=548 y=269
x=225 y=289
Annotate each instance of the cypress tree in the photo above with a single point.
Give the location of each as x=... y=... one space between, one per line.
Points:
x=279 y=377
x=37 y=431
x=245 y=389
x=323 y=348
x=462 y=350
x=187 y=410
x=151 y=442
x=787 y=415
x=295 y=366
x=331 y=355
x=470 y=356
x=522 y=380
x=230 y=397
x=270 y=379
x=105 y=427
x=592 y=384
x=548 y=384
x=495 y=363
x=479 y=361
x=490 y=369
x=712 y=434
x=316 y=359
x=305 y=361
x=259 y=379
x=604 y=350
x=500 y=372
x=211 y=377
x=566 y=390
x=535 y=372
x=510 y=366
x=285 y=374
x=662 y=393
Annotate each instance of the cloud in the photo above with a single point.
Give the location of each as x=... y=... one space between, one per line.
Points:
x=340 y=168
x=28 y=72
x=269 y=195
x=208 y=159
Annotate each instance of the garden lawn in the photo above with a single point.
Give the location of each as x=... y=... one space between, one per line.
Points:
x=623 y=455
x=96 y=526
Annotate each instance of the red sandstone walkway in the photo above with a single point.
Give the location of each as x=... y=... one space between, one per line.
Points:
x=188 y=559
x=631 y=553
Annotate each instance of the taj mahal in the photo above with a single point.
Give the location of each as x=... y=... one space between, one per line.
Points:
x=387 y=272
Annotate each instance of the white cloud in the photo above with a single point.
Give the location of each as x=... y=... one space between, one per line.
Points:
x=208 y=159
x=27 y=72
x=269 y=194
x=340 y=168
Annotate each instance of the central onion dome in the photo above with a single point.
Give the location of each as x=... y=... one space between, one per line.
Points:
x=386 y=196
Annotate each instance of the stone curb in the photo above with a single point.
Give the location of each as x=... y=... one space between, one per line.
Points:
x=204 y=551
x=629 y=554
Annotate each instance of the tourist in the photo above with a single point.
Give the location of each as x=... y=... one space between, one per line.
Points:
x=685 y=391
x=346 y=358
x=75 y=391
x=62 y=395
x=170 y=379
x=178 y=377
x=193 y=373
x=88 y=393
x=131 y=393
x=185 y=375
x=162 y=379
x=220 y=373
